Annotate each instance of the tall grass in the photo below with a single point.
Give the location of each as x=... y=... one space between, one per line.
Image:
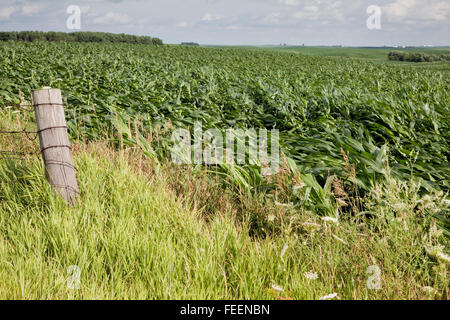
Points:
x=135 y=235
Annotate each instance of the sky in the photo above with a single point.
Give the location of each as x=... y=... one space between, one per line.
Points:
x=245 y=22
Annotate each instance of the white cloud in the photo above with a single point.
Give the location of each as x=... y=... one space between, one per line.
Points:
x=322 y=10
x=290 y=2
x=414 y=10
x=30 y=9
x=272 y=18
x=210 y=17
x=408 y=22
x=112 y=18
x=6 y=13
x=312 y=8
x=399 y=9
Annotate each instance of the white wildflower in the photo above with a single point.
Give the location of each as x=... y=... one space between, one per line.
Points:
x=443 y=257
x=330 y=297
x=438 y=254
x=277 y=288
x=271 y=218
x=330 y=219
x=311 y=275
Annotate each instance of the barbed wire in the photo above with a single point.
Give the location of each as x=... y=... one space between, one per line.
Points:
x=25 y=132
x=14 y=155
x=23 y=107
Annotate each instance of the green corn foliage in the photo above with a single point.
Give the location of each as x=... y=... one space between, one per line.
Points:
x=373 y=112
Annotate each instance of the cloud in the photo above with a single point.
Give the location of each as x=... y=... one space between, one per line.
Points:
x=6 y=13
x=311 y=22
x=272 y=18
x=30 y=9
x=323 y=10
x=112 y=18
x=413 y=10
x=290 y=2
x=233 y=28
x=210 y=17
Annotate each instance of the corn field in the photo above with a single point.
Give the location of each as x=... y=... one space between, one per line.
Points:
x=332 y=113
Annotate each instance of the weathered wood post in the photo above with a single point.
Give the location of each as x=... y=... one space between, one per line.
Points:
x=54 y=141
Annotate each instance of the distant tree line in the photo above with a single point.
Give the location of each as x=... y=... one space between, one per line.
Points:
x=190 y=44
x=417 y=57
x=31 y=36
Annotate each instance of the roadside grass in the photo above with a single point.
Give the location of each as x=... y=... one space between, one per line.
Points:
x=147 y=231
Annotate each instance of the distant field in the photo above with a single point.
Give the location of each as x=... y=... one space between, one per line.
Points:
x=372 y=54
x=365 y=53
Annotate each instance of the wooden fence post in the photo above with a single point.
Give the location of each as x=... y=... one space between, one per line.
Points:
x=54 y=141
